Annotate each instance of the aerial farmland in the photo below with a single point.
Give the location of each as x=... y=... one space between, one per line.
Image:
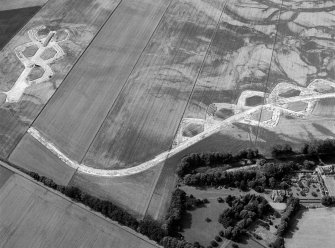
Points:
x=108 y=97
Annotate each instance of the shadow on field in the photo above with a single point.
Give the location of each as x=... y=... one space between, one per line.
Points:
x=294 y=223
x=323 y=130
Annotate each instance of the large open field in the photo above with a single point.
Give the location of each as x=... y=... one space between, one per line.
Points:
x=137 y=74
x=32 y=216
x=313 y=228
x=81 y=21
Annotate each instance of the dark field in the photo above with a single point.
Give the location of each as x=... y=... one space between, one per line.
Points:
x=11 y=21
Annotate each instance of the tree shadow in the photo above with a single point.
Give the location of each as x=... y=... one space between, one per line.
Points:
x=186 y=221
x=293 y=225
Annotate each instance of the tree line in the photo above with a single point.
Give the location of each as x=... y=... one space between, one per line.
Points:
x=212 y=159
x=268 y=175
x=293 y=206
x=148 y=227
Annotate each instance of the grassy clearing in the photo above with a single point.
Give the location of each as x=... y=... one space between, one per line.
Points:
x=11 y=21
x=32 y=216
x=196 y=228
x=312 y=228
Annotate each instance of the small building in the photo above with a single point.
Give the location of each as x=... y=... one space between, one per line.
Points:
x=278 y=195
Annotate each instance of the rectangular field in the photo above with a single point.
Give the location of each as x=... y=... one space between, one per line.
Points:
x=145 y=117
x=32 y=216
x=77 y=110
x=313 y=228
x=82 y=19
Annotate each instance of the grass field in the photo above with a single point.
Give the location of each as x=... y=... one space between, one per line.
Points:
x=11 y=21
x=19 y=4
x=312 y=228
x=32 y=216
x=82 y=18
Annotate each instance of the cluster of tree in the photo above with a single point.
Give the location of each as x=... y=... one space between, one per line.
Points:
x=293 y=205
x=242 y=212
x=318 y=147
x=328 y=200
x=195 y=160
x=171 y=242
x=268 y=175
x=175 y=212
x=152 y=229
x=281 y=150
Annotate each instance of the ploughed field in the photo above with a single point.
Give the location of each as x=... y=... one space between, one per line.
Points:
x=132 y=70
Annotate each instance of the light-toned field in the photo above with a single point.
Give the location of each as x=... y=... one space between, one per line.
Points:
x=17 y=4
x=330 y=184
x=313 y=228
x=74 y=115
x=32 y=216
x=82 y=18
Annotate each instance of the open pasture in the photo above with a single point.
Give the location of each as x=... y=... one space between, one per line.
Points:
x=312 y=228
x=32 y=216
x=81 y=19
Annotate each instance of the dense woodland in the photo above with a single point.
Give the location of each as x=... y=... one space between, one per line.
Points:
x=241 y=213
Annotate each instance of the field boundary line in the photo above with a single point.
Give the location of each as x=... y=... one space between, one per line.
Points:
x=269 y=71
x=79 y=205
x=74 y=64
x=188 y=101
x=125 y=82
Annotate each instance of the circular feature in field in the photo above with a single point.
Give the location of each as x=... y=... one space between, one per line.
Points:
x=297 y=106
x=254 y=101
x=36 y=73
x=224 y=113
x=192 y=129
x=290 y=93
x=48 y=53
x=30 y=51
